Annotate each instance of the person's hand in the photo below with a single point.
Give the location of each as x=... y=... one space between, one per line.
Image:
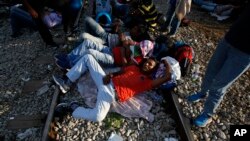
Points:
x=127 y=43
x=168 y=68
x=33 y=13
x=106 y=79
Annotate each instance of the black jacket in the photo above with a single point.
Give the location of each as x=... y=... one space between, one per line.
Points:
x=239 y=33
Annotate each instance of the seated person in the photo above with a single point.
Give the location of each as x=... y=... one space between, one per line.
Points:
x=95 y=30
x=132 y=52
x=223 y=10
x=104 y=55
x=120 y=86
x=20 y=18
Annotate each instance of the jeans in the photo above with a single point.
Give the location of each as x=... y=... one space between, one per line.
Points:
x=209 y=6
x=97 y=32
x=221 y=73
x=95 y=29
x=121 y=10
x=103 y=54
x=172 y=21
x=20 y=18
x=105 y=95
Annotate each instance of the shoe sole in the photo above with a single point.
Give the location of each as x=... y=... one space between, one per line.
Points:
x=61 y=88
x=197 y=100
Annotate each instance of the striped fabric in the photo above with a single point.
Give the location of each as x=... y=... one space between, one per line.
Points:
x=150 y=13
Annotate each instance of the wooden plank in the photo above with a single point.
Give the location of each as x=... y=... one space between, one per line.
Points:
x=25 y=121
x=183 y=123
x=50 y=115
x=32 y=86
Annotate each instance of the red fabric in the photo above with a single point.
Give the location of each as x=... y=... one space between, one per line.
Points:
x=117 y=56
x=130 y=83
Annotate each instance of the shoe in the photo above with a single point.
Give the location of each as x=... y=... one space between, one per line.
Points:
x=196 y=97
x=63 y=84
x=73 y=105
x=202 y=120
x=61 y=57
x=63 y=65
x=61 y=110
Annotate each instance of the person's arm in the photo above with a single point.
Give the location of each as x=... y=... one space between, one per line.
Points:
x=157 y=82
x=30 y=9
x=116 y=25
x=106 y=79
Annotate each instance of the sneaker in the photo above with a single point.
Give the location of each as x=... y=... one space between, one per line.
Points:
x=61 y=57
x=196 y=97
x=202 y=120
x=63 y=65
x=61 y=110
x=63 y=84
x=73 y=105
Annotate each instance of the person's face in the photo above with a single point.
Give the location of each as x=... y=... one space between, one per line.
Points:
x=148 y=65
x=134 y=31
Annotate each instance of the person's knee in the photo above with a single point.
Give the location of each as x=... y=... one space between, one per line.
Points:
x=88 y=19
x=91 y=52
x=100 y=117
x=88 y=57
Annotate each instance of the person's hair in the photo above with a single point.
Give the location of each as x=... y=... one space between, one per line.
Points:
x=145 y=60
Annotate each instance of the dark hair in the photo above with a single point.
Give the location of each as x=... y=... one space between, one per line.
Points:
x=145 y=60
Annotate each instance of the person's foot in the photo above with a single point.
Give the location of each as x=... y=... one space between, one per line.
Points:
x=73 y=105
x=64 y=85
x=62 y=110
x=63 y=65
x=202 y=120
x=61 y=57
x=196 y=97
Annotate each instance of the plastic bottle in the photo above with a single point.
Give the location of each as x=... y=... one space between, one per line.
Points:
x=196 y=72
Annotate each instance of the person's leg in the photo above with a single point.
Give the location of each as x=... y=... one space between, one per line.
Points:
x=227 y=74
x=105 y=94
x=213 y=68
x=209 y=8
x=44 y=31
x=85 y=36
x=175 y=24
x=121 y=10
x=222 y=81
x=104 y=57
x=94 y=28
x=20 y=18
x=102 y=53
x=169 y=16
x=215 y=64
x=198 y=2
x=99 y=112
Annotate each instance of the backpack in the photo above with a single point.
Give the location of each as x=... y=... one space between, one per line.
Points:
x=184 y=54
x=103 y=12
x=103 y=6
